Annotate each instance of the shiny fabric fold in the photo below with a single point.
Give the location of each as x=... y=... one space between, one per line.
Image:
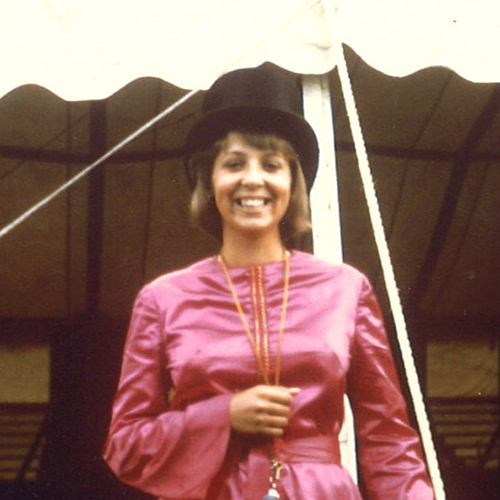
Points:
x=186 y=354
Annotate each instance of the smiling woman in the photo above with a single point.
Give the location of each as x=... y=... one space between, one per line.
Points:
x=252 y=193
x=259 y=161
x=259 y=344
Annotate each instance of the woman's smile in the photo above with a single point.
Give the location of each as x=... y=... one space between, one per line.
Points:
x=252 y=202
x=251 y=186
x=252 y=205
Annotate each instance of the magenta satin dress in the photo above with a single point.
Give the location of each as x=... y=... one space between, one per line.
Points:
x=187 y=353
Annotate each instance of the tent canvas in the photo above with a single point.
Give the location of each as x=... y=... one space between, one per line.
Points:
x=417 y=163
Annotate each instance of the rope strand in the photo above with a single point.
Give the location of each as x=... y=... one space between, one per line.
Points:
x=390 y=281
x=103 y=158
x=253 y=46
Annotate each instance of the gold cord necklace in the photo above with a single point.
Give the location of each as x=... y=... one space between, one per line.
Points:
x=263 y=367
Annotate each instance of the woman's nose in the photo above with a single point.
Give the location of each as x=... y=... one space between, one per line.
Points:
x=252 y=175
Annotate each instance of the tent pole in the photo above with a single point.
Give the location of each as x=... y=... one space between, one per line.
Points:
x=325 y=212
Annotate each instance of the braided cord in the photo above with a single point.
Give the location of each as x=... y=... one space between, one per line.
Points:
x=9 y=227
x=390 y=281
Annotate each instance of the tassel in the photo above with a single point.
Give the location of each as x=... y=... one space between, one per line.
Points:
x=272 y=494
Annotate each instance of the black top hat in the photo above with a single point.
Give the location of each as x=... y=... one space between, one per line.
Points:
x=267 y=99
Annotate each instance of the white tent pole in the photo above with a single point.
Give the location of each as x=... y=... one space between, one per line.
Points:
x=324 y=195
x=325 y=213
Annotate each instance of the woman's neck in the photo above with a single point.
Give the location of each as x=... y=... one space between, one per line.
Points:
x=251 y=251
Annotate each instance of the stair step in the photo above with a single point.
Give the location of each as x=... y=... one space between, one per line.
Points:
x=465 y=429
x=19 y=426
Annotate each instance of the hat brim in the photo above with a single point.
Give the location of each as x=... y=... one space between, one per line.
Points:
x=292 y=127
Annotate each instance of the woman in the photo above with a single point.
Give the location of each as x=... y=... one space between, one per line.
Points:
x=235 y=368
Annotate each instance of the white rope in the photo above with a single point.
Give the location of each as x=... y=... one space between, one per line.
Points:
x=388 y=272
x=4 y=231
x=100 y=160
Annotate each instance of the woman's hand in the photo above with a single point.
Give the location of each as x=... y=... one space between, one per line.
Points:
x=262 y=409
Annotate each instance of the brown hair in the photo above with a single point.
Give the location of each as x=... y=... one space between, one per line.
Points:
x=204 y=212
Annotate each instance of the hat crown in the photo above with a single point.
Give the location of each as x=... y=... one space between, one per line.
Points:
x=266 y=86
x=265 y=99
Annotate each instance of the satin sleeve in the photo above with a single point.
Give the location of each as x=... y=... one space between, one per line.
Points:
x=389 y=451
x=170 y=454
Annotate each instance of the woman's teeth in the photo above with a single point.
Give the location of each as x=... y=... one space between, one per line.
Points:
x=251 y=202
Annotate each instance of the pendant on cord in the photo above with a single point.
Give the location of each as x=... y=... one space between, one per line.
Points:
x=274 y=477
x=272 y=494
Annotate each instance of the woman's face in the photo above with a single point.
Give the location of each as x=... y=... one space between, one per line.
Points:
x=251 y=187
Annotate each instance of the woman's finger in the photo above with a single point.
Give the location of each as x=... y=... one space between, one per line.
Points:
x=265 y=421
x=278 y=394
x=270 y=408
x=272 y=431
x=261 y=409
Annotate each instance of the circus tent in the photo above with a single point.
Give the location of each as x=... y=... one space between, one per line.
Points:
x=431 y=125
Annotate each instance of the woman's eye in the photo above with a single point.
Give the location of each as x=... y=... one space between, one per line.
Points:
x=272 y=166
x=233 y=165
